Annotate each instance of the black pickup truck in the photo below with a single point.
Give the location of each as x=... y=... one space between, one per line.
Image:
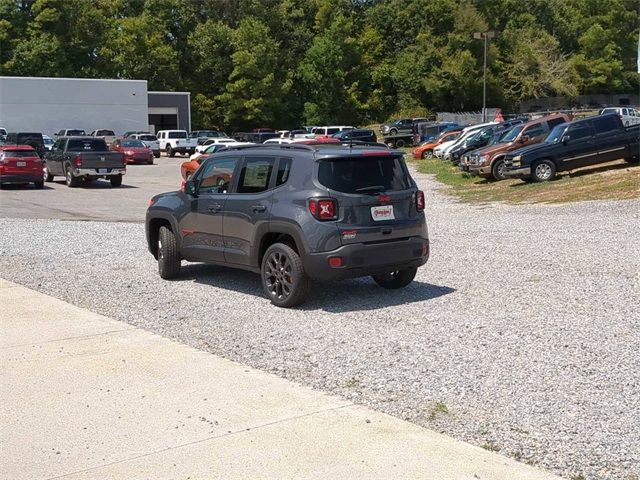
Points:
x=83 y=158
x=571 y=145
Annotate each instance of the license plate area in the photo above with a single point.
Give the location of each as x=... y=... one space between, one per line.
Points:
x=21 y=164
x=103 y=170
x=382 y=212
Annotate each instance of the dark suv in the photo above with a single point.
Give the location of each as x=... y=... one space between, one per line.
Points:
x=295 y=212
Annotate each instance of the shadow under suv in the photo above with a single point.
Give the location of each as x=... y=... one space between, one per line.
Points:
x=294 y=213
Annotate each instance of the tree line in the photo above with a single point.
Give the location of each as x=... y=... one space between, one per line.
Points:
x=284 y=63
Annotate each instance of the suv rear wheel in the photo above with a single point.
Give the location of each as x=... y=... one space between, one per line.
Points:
x=283 y=277
x=45 y=174
x=168 y=254
x=397 y=279
x=170 y=152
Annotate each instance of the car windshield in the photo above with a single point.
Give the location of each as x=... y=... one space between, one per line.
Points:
x=177 y=134
x=87 y=145
x=359 y=174
x=148 y=138
x=47 y=141
x=132 y=144
x=556 y=134
x=513 y=134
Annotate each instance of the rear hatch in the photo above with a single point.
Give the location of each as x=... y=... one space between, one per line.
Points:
x=20 y=161
x=94 y=153
x=375 y=194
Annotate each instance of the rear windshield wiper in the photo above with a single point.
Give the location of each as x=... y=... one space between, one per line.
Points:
x=371 y=188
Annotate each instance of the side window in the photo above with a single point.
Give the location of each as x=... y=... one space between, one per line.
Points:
x=534 y=131
x=217 y=175
x=255 y=175
x=284 y=168
x=606 y=124
x=331 y=131
x=579 y=131
x=555 y=121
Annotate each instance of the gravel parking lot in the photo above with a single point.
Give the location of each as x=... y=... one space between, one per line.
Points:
x=520 y=335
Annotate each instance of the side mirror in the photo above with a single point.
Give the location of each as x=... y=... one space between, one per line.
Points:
x=524 y=139
x=190 y=188
x=566 y=139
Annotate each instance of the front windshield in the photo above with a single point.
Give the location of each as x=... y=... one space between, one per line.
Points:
x=556 y=133
x=513 y=134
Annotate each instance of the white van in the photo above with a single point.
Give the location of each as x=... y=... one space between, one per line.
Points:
x=330 y=130
x=628 y=115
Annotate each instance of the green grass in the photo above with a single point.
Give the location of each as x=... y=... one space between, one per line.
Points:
x=614 y=180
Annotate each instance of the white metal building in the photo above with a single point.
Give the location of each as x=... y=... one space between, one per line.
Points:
x=47 y=105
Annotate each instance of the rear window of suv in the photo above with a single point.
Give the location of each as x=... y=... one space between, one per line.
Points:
x=364 y=174
x=18 y=153
x=177 y=134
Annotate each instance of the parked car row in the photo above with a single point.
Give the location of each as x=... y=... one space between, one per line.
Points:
x=536 y=150
x=76 y=158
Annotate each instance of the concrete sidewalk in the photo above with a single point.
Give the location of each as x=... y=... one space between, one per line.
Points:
x=83 y=396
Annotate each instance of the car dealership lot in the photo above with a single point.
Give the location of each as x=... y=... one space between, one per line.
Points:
x=96 y=200
x=520 y=334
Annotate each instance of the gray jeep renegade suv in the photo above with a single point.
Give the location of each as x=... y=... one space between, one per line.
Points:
x=295 y=213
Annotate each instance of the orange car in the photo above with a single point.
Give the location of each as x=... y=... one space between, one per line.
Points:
x=426 y=150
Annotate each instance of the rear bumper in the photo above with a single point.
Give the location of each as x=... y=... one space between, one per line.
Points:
x=21 y=178
x=518 y=172
x=361 y=259
x=95 y=172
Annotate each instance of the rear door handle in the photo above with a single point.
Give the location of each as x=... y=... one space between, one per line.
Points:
x=215 y=207
x=258 y=208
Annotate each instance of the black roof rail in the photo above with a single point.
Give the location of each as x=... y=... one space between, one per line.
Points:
x=289 y=146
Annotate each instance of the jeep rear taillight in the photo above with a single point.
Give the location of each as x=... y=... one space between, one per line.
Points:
x=420 y=200
x=77 y=161
x=323 y=208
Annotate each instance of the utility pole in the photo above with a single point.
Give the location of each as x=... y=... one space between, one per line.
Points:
x=484 y=36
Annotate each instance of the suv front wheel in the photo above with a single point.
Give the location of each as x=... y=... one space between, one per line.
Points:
x=397 y=279
x=283 y=277
x=168 y=254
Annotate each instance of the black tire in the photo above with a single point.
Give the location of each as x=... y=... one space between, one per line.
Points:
x=543 y=171
x=168 y=254
x=632 y=159
x=156 y=154
x=115 y=180
x=393 y=131
x=150 y=161
x=397 y=279
x=497 y=169
x=283 y=278
x=72 y=182
x=399 y=143
x=170 y=152
x=46 y=175
x=427 y=154
x=39 y=185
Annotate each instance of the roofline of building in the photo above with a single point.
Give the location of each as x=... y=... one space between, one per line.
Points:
x=82 y=79
x=168 y=93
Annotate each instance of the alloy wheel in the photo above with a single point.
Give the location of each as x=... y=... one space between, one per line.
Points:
x=543 y=171
x=278 y=277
